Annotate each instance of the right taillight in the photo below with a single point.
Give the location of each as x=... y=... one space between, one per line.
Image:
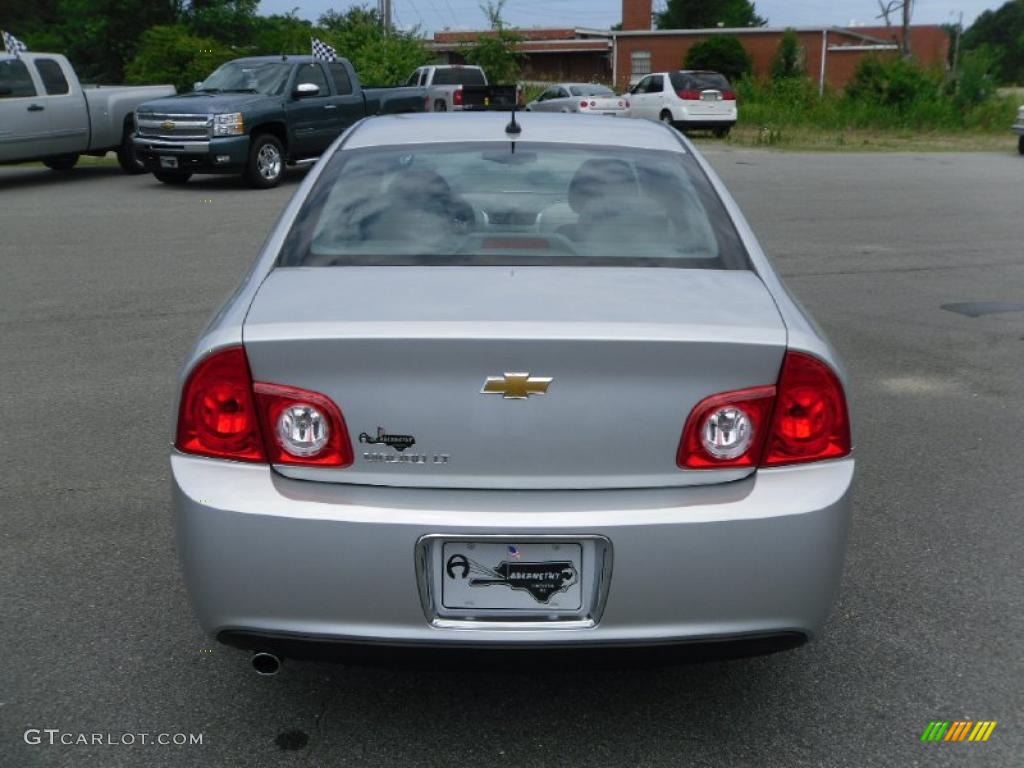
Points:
x=810 y=421
x=583 y=105
x=457 y=97
x=729 y=95
x=802 y=418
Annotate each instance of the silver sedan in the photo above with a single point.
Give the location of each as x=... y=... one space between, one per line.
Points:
x=509 y=386
x=586 y=98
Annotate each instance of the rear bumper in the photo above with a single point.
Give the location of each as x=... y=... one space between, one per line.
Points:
x=269 y=557
x=1018 y=128
x=227 y=154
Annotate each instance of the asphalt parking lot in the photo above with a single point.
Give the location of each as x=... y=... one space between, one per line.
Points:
x=106 y=280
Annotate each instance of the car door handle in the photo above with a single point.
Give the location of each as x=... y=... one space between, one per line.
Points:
x=36 y=108
x=330 y=106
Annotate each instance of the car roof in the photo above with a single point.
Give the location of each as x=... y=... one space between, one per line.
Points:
x=293 y=58
x=542 y=127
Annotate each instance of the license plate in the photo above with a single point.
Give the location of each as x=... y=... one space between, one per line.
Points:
x=710 y=96
x=168 y=162
x=511 y=576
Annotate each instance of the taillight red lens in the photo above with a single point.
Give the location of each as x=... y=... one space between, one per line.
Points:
x=811 y=421
x=281 y=406
x=698 y=450
x=217 y=416
x=689 y=95
x=457 y=97
x=583 y=105
x=225 y=415
x=729 y=95
x=804 y=418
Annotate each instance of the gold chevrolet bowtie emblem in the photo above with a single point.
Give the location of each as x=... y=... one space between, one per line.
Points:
x=516 y=386
x=167 y=125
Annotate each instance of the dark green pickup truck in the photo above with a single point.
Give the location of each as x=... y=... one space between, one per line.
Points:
x=254 y=116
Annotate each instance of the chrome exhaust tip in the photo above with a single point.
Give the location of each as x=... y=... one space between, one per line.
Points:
x=266 y=663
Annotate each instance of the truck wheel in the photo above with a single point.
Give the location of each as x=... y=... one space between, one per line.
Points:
x=440 y=106
x=127 y=158
x=1020 y=145
x=266 y=162
x=172 y=177
x=61 y=162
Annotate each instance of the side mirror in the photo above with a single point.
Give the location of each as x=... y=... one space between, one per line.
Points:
x=197 y=85
x=305 y=90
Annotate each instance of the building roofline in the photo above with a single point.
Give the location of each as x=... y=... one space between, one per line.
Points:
x=850 y=31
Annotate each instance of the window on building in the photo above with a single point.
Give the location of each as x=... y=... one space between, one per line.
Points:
x=640 y=63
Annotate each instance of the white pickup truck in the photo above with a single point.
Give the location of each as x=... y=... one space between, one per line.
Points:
x=444 y=84
x=46 y=114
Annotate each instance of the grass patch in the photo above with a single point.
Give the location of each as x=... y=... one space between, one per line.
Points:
x=811 y=139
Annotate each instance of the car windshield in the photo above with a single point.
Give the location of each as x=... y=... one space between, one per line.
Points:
x=260 y=77
x=459 y=76
x=504 y=204
x=591 y=90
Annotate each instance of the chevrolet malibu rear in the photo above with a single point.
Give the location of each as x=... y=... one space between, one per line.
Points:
x=511 y=387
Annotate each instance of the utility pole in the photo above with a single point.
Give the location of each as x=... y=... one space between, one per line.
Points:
x=384 y=14
x=956 y=42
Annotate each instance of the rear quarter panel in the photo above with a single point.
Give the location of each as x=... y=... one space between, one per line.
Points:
x=110 y=105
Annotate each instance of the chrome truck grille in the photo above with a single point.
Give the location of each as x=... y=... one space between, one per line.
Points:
x=173 y=127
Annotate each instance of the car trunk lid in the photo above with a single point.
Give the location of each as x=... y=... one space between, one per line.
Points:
x=407 y=353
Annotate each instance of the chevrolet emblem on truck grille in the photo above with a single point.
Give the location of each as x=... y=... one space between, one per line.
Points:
x=516 y=386
x=167 y=125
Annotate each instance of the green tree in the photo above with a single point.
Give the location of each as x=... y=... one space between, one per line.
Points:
x=380 y=56
x=495 y=51
x=1003 y=31
x=789 y=57
x=702 y=14
x=172 y=54
x=721 y=53
x=101 y=36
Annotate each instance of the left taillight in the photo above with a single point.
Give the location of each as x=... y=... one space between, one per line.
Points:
x=803 y=418
x=218 y=416
x=223 y=414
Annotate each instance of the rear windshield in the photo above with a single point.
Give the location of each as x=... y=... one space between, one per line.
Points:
x=699 y=81
x=459 y=76
x=591 y=90
x=504 y=204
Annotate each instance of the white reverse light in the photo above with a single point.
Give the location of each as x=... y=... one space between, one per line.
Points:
x=302 y=430
x=727 y=433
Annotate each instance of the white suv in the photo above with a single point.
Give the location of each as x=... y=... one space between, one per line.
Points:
x=686 y=99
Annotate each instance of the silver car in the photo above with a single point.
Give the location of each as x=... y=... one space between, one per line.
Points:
x=586 y=98
x=511 y=385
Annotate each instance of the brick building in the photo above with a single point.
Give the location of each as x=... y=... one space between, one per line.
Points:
x=830 y=54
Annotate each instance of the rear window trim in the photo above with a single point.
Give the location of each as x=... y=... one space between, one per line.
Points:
x=733 y=251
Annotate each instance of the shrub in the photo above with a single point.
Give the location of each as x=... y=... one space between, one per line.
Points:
x=893 y=82
x=788 y=61
x=721 y=53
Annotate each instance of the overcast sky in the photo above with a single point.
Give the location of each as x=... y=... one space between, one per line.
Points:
x=432 y=15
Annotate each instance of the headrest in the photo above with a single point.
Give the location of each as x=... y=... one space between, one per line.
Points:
x=600 y=178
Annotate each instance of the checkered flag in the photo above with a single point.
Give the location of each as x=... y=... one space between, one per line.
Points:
x=12 y=45
x=323 y=51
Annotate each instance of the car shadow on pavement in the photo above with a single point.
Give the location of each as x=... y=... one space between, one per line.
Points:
x=14 y=177
x=209 y=182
